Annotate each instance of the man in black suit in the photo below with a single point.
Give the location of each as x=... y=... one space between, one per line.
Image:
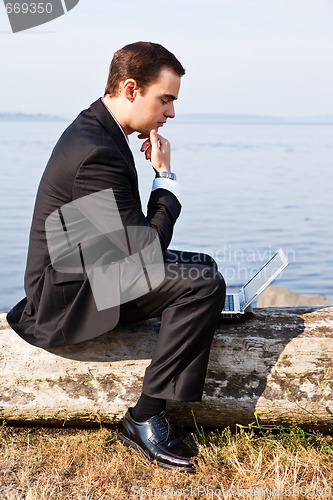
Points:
x=91 y=158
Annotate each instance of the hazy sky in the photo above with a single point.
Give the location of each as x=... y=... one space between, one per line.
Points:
x=267 y=57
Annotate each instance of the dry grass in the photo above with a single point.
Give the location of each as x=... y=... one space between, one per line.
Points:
x=40 y=464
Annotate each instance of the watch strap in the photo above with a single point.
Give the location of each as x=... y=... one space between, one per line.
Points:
x=166 y=175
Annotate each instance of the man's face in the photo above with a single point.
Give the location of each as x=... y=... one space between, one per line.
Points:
x=152 y=108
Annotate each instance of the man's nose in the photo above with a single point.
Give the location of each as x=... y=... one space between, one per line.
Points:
x=171 y=110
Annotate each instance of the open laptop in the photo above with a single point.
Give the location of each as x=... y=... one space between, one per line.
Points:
x=238 y=304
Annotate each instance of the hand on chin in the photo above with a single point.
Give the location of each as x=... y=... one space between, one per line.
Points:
x=146 y=134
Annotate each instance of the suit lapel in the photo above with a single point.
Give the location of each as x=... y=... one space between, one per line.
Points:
x=111 y=126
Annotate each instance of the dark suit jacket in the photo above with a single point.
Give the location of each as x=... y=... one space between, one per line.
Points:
x=91 y=155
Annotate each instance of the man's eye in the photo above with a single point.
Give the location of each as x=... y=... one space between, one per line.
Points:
x=164 y=102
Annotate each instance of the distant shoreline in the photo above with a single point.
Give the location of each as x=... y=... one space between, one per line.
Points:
x=16 y=117
x=192 y=118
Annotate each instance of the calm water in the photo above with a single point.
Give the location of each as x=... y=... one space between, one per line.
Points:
x=248 y=189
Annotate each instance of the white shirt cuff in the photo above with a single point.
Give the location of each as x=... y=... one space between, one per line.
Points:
x=169 y=185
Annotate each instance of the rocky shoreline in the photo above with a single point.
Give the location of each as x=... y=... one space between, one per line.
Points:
x=282 y=297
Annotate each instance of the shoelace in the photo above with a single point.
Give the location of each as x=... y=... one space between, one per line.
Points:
x=165 y=427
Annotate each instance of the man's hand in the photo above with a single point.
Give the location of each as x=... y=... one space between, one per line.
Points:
x=157 y=150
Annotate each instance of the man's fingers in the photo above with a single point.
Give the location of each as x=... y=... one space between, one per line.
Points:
x=146 y=149
x=155 y=148
x=145 y=145
x=154 y=137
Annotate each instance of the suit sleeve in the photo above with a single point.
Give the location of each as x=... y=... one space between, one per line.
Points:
x=105 y=168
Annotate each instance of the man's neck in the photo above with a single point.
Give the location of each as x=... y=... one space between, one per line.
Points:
x=114 y=106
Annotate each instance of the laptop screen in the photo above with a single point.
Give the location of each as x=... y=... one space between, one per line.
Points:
x=264 y=276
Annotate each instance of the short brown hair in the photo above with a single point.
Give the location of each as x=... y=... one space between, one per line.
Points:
x=141 y=61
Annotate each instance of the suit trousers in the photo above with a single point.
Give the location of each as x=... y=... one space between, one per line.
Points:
x=189 y=302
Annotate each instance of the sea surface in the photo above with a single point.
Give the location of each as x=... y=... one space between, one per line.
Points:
x=248 y=188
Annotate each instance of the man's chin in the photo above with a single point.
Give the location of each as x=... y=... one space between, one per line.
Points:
x=147 y=131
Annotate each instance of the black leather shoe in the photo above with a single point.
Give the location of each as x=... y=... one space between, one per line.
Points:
x=156 y=440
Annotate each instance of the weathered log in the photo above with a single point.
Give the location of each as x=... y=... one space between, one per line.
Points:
x=278 y=364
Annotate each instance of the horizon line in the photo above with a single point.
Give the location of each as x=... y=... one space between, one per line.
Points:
x=229 y=116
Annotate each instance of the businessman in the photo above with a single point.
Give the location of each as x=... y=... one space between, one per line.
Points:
x=92 y=158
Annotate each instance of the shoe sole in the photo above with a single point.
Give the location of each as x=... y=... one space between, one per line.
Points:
x=131 y=444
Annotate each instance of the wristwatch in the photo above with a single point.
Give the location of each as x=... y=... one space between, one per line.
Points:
x=166 y=175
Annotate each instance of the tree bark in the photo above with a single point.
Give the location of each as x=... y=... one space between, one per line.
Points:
x=278 y=364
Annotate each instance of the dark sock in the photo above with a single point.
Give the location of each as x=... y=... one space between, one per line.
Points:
x=147 y=407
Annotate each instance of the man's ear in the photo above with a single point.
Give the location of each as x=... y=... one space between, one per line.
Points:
x=130 y=89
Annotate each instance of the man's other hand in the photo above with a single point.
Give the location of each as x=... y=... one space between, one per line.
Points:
x=157 y=150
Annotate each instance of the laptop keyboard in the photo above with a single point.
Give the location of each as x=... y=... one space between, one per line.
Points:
x=229 y=303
